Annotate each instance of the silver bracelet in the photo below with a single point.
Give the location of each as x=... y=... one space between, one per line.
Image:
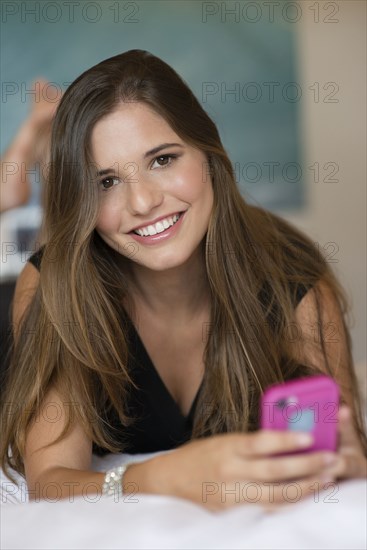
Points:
x=112 y=485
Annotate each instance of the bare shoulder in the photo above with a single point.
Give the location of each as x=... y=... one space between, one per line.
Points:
x=319 y=296
x=321 y=321
x=25 y=289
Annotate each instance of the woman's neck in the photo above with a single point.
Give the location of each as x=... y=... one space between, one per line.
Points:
x=182 y=290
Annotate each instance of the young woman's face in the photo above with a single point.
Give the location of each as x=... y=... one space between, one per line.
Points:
x=137 y=187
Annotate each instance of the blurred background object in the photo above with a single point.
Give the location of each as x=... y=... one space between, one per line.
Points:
x=20 y=223
x=285 y=83
x=23 y=164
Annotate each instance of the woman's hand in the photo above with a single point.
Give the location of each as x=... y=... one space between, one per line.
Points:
x=350 y=463
x=228 y=469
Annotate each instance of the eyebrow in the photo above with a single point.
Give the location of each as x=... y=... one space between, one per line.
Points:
x=159 y=148
x=146 y=155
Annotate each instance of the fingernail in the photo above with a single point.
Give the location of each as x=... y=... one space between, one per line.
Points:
x=304 y=440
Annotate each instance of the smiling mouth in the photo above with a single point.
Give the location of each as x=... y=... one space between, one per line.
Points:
x=158 y=227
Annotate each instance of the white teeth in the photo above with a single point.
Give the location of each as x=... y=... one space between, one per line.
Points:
x=151 y=230
x=160 y=226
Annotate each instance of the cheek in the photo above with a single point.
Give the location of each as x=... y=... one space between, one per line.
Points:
x=194 y=183
x=109 y=218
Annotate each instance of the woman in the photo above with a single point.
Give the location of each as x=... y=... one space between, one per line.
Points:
x=142 y=340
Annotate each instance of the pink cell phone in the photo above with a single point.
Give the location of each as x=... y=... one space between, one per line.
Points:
x=305 y=405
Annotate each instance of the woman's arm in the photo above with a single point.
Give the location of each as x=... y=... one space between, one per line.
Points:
x=59 y=462
x=330 y=330
x=62 y=470
x=333 y=336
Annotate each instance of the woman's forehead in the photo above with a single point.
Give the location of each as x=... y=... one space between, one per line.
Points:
x=129 y=131
x=129 y=114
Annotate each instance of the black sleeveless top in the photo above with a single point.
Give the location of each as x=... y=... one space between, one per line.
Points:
x=159 y=423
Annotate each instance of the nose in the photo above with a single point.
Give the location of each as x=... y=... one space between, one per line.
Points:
x=143 y=196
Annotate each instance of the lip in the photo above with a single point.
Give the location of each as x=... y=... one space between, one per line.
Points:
x=163 y=236
x=152 y=222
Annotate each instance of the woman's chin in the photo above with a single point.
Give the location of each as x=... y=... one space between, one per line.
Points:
x=160 y=262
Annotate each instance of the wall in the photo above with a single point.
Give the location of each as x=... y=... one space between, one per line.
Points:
x=336 y=132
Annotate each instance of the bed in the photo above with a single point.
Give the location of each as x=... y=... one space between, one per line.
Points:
x=336 y=521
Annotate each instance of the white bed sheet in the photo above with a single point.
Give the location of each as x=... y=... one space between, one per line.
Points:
x=160 y=522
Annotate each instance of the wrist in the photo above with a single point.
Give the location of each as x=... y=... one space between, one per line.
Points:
x=147 y=477
x=137 y=478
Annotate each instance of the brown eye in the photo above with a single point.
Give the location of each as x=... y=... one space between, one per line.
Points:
x=108 y=183
x=163 y=160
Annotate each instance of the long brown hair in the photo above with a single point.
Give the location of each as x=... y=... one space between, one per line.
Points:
x=73 y=336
